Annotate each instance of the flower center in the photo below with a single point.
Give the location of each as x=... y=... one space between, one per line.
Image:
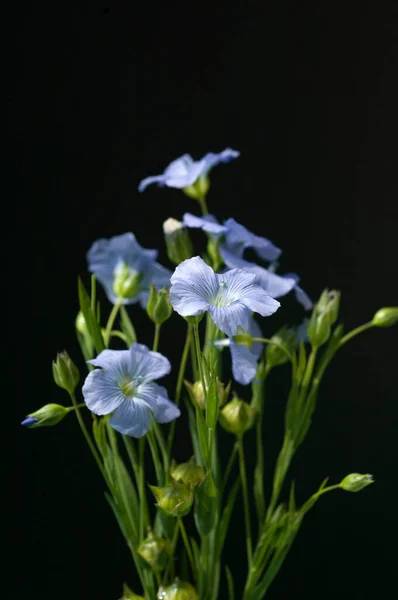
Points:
x=223 y=297
x=128 y=387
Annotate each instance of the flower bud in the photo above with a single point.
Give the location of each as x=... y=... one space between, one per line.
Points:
x=80 y=323
x=237 y=416
x=355 y=482
x=129 y=595
x=178 y=590
x=197 y=395
x=46 y=416
x=178 y=242
x=285 y=337
x=159 y=308
x=175 y=500
x=324 y=315
x=66 y=374
x=198 y=189
x=126 y=282
x=155 y=551
x=386 y=317
x=188 y=473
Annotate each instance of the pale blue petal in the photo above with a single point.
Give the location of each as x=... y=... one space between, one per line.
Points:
x=229 y=318
x=234 y=284
x=254 y=329
x=132 y=418
x=207 y=223
x=159 y=179
x=303 y=298
x=193 y=284
x=156 y=398
x=225 y=156
x=238 y=238
x=260 y=302
x=101 y=392
x=244 y=364
x=147 y=365
x=117 y=362
x=183 y=172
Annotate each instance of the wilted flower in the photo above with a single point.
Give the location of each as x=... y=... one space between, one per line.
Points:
x=125 y=269
x=230 y=298
x=184 y=171
x=124 y=386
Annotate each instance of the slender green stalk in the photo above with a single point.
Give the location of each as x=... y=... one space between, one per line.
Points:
x=198 y=359
x=229 y=466
x=132 y=454
x=355 y=332
x=203 y=205
x=246 y=505
x=309 y=369
x=180 y=380
x=170 y=566
x=118 y=334
x=156 y=338
x=155 y=457
x=141 y=485
x=290 y=356
x=87 y=437
x=163 y=450
x=187 y=545
x=111 y=320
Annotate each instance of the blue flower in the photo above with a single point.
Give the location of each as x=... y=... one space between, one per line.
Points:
x=237 y=237
x=125 y=269
x=244 y=359
x=276 y=285
x=184 y=171
x=123 y=385
x=230 y=298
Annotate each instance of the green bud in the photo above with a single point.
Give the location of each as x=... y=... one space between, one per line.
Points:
x=213 y=250
x=178 y=590
x=155 y=551
x=66 y=374
x=188 y=473
x=237 y=416
x=197 y=395
x=175 y=500
x=126 y=282
x=178 y=242
x=386 y=317
x=324 y=315
x=129 y=595
x=355 y=482
x=159 y=308
x=80 y=323
x=285 y=337
x=198 y=189
x=46 y=416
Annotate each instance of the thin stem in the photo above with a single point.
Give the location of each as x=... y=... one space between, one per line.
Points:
x=187 y=545
x=162 y=445
x=198 y=359
x=229 y=466
x=309 y=369
x=156 y=338
x=118 y=334
x=111 y=320
x=246 y=506
x=155 y=457
x=172 y=552
x=355 y=332
x=180 y=380
x=310 y=502
x=203 y=205
x=141 y=485
x=87 y=436
x=280 y=346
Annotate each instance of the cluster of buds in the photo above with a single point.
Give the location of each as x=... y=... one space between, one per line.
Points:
x=324 y=315
x=197 y=394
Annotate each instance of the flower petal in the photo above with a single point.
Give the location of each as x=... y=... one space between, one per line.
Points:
x=303 y=298
x=239 y=238
x=225 y=156
x=117 y=362
x=132 y=418
x=254 y=329
x=207 y=223
x=244 y=363
x=146 y=364
x=259 y=301
x=184 y=171
x=101 y=392
x=229 y=318
x=156 y=398
x=159 y=179
x=233 y=284
x=193 y=283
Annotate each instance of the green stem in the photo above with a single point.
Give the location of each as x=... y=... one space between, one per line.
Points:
x=163 y=450
x=141 y=486
x=155 y=457
x=199 y=360
x=310 y=502
x=229 y=466
x=180 y=380
x=118 y=334
x=187 y=545
x=170 y=565
x=87 y=437
x=355 y=332
x=203 y=205
x=156 y=338
x=246 y=506
x=274 y=343
x=111 y=320
x=309 y=369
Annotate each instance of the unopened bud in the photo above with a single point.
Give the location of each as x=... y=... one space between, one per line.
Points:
x=175 y=500
x=188 y=473
x=129 y=595
x=178 y=590
x=46 y=416
x=66 y=374
x=386 y=317
x=155 y=551
x=159 y=308
x=126 y=282
x=355 y=482
x=237 y=416
x=178 y=242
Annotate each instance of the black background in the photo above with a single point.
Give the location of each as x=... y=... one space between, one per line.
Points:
x=307 y=93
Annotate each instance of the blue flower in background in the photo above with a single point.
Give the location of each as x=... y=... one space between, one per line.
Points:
x=244 y=359
x=230 y=298
x=184 y=171
x=237 y=237
x=276 y=285
x=125 y=269
x=123 y=385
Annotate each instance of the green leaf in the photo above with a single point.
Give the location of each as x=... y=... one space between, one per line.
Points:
x=212 y=404
x=127 y=326
x=92 y=324
x=194 y=434
x=302 y=361
x=100 y=436
x=205 y=509
x=230 y=582
x=202 y=435
x=258 y=490
x=226 y=516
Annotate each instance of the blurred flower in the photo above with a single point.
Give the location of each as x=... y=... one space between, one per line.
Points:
x=124 y=386
x=125 y=269
x=184 y=171
x=230 y=298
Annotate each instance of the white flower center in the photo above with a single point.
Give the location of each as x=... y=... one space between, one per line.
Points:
x=224 y=297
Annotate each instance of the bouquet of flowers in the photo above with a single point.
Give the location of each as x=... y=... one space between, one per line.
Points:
x=176 y=518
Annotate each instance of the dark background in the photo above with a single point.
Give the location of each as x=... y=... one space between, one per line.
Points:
x=308 y=93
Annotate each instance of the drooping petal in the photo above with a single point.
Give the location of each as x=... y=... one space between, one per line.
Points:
x=147 y=365
x=101 y=392
x=193 y=283
x=156 y=398
x=229 y=318
x=260 y=302
x=207 y=223
x=303 y=298
x=238 y=238
x=159 y=179
x=131 y=418
x=225 y=156
x=254 y=329
x=244 y=363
